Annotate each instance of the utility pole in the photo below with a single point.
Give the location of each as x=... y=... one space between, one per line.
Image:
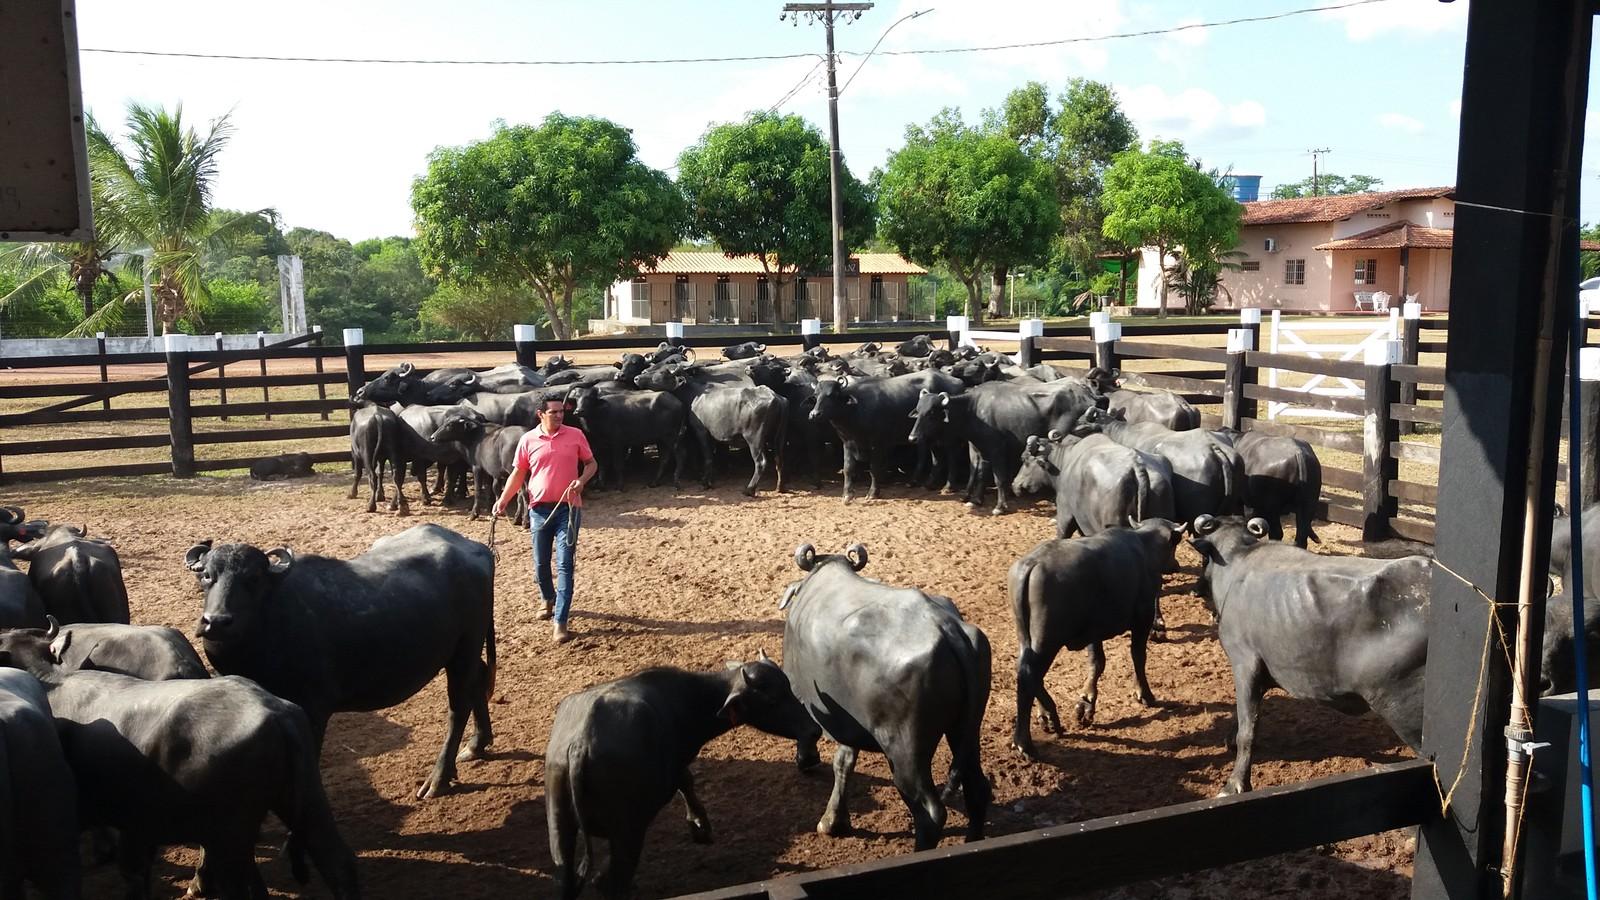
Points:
x=828 y=11
x=1315 y=154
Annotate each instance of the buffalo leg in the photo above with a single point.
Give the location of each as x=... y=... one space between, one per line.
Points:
x=836 y=818
x=355 y=463
x=1275 y=527
x=1247 y=697
x=1032 y=664
x=561 y=823
x=419 y=469
x=877 y=462
x=398 y=501
x=481 y=685
x=1002 y=483
x=758 y=459
x=134 y=858
x=852 y=453
x=627 y=845
x=699 y=823
x=913 y=778
x=374 y=487
x=1096 y=654
x=444 y=771
x=966 y=773
x=313 y=830
x=1137 y=650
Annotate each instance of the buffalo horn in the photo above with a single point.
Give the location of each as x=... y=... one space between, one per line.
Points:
x=195 y=559
x=857 y=554
x=924 y=393
x=15 y=513
x=284 y=559
x=406 y=369
x=944 y=399
x=1132 y=522
x=1257 y=526
x=54 y=629
x=1205 y=524
x=805 y=556
x=1054 y=436
x=761 y=655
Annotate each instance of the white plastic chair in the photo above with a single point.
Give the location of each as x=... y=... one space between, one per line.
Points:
x=1380 y=301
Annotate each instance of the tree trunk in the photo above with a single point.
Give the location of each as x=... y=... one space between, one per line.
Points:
x=1122 y=280
x=1161 y=281
x=558 y=327
x=997 y=291
x=566 y=309
x=974 y=300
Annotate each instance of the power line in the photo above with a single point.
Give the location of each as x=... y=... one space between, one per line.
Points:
x=812 y=73
x=1151 y=32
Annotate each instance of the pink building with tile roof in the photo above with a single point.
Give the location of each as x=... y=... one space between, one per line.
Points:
x=710 y=287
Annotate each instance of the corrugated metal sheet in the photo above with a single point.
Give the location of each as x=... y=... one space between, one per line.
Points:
x=1393 y=236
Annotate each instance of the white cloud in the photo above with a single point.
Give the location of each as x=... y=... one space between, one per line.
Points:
x=1399 y=122
x=1190 y=114
x=1425 y=17
x=994 y=23
x=1192 y=37
x=1455 y=108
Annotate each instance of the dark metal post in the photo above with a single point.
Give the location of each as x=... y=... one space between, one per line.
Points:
x=1233 y=379
x=527 y=349
x=322 y=387
x=1029 y=331
x=105 y=377
x=1250 y=320
x=261 y=345
x=1106 y=335
x=1589 y=400
x=179 y=424
x=222 y=384
x=956 y=326
x=355 y=355
x=1379 y=431
x=1410 y=336
x=675 y=333
x=1524 y=95
x=810 y=333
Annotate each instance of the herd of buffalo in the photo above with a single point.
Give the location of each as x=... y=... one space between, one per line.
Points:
x=120 y=730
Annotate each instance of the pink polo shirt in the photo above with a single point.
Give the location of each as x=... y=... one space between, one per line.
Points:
x=552 y=463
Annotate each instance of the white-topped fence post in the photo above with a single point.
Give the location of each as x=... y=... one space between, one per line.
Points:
x=1379 y=432
x=180 y=425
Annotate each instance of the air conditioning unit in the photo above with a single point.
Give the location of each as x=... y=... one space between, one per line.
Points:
x=1272 y=245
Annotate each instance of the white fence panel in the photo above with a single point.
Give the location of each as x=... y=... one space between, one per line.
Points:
x=1299 y=338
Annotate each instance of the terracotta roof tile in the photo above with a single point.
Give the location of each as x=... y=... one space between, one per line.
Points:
x=715 y=262
x=1330 y=208
x=1393 y=236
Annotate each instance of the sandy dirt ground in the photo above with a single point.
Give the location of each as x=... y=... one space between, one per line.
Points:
x=692 y=578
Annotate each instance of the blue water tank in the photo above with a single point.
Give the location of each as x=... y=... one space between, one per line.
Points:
x=1245 y=188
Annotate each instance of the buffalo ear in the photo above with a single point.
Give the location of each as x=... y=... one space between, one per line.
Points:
x=195 y=559
x=58 y=647
x=732 y=705
x=1206 y=549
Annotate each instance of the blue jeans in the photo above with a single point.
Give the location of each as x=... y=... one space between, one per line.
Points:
x=561 y=537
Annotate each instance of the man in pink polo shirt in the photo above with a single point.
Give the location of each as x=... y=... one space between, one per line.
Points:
x=556 y=463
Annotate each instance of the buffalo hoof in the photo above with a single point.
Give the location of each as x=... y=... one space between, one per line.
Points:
x=749 y=492
x=471 y=754
x=1024 y=749
x=1146 y=700
x=700 y=832
x=1049 y=723
x=1084 y=713
x=433 y=787
x=807 y=758
x=837 y=828
x=1232 y=789
x=998 y=511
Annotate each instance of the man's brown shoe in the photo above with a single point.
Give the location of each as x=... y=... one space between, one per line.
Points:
x=548 y=611
x=561 y=634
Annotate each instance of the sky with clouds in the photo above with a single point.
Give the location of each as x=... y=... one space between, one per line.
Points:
x=335 y=146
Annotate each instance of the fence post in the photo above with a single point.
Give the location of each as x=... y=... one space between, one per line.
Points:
x=1589 y=411
x=1379 y=432
x=527 y=349
x=1029 y=331
x=1250 y=320
x=222 y=385
x=810 y=333
x=261 y=345
x=956 y=327
x=1240 y=342
x=675 y=333
x=355 y=355
x=179 y=424
x=1410 y=336
x=322 y=386
x=1106 y=334
x=105 y=378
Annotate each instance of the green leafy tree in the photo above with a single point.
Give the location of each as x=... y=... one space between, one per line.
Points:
x=969 y=200
x=1327 y=184
x=1159 y=198
x=761 y=186
x=157 y=197
x=549 y=208
x=390 y=277
x=236 y=306
x=331 y=265
x=480 y=313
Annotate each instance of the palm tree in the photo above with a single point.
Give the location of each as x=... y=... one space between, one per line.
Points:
x=158 y=197
x=40 y=265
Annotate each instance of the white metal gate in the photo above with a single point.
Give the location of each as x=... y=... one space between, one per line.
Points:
x=1293 y=338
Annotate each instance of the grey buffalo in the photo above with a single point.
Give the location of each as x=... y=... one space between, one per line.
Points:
x=870 y=417
x=746 y=350
x=374 y=443
x=188 y=761
x=619 y=751
x=38 y=796
x=366 y=634
x=78 y=578
x=1342 y=630
x=889 y=670
x=20 y=606
x=618 y=422
x=284 y=465
x=1207 y=474
x=146 y=652
x=1163 y=408
x=1097 y=482
x=1081 y=593
x=1561 y=549
x=1282 y=476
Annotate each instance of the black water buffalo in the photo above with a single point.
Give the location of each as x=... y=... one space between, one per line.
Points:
x=20 y=605
x=1080 y=593
x=915 y=347
x=1282 y=476
x=374 y=443
x=757 y=417
x=1342 y=630
x=891 y=670
x=746 y=350
x=1558 y=671
x=78 y=578
x=336 y=636
x=38 y=796
x=665 y=353
x=1097 y=482
x=511 y=378
x=618 y=422
x=619 y=751
x=491 y=451
x=1561 y=549
x=189 y=761
x=870 y=417
x=1207 y=474
x=284 y=465
x=516 y=409
x=1163 y=408
x=402 y=384
x=146 y=652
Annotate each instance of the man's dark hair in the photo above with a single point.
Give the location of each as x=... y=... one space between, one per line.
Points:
x=559 y=401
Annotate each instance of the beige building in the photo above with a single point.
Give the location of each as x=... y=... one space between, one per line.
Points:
x=1331 y=254
x=702 y=287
